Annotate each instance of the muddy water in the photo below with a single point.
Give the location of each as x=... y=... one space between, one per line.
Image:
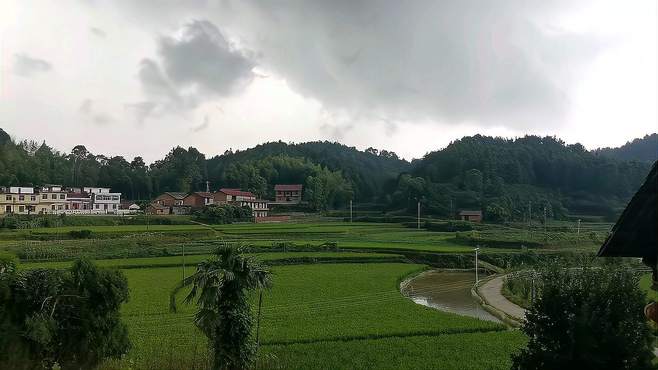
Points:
x=447 y=291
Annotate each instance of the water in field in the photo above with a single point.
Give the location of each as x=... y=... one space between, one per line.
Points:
x=447 y=291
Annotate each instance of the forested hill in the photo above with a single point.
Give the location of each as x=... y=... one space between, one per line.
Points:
x=331 y=173
x=503 y=176
x=642 y=149
x=367 y=171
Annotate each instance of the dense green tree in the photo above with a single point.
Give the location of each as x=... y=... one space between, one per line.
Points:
x=221 y=287
x=70 y=318
x=587 y=318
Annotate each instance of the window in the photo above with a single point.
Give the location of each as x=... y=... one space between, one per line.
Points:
x=44 y=196
x=60 y=207
x=33 y=198
x=8 y=209
x=52 y=207
x=98 y=206
x=8 y=197
x=62 y=196
x=21 y=197
x=53 y=196
x=21 y=209
x=114 y=206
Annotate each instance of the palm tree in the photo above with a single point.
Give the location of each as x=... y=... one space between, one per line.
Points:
x=221 y=286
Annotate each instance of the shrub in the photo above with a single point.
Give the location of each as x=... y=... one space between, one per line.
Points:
x=222 y=214
x=80 y=234
x=586 y=318
x=70 y=318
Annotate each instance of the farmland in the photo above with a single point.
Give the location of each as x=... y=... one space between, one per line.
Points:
x=335 y=299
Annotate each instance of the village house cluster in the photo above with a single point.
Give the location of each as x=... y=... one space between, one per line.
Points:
x=55 y=199
x=184 y=203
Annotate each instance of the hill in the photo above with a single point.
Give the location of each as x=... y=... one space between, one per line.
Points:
x=506 y=177
x=642 y=149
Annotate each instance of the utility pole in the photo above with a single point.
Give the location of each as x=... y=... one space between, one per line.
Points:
x=452 y=212
x=419 y=215
x=578 y=228
x=477 y=277
x=544 y=218
x=183 y=246
x=529 y=214
x=350 y=210
x=207 y=186
x=260 y=304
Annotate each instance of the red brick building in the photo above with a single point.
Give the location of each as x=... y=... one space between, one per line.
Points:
x=224 y=195
x=473 y=216
x=288 y=193
x=170 y=199
x=199 y=199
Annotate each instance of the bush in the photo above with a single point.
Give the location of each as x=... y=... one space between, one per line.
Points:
x=222 y=214
x=70 y=318
x=449 y=226
x=80 y=234
x=586 y=318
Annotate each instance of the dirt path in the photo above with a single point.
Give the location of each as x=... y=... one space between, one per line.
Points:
x=491 y=292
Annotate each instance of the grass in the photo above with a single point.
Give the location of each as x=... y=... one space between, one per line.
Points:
x=309 y=304
x=191 y=260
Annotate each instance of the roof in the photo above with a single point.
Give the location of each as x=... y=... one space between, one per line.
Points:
x=78 y=195
x=287 y=187
x=203 y=194
x=236 y=192
x=635 y=234
x=157 y=206
x=470 y=213
x=176 y=195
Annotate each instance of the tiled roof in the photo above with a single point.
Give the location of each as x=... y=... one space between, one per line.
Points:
x=236 y=192
x=203 y=194
x=176 y=195
x=470 y=213
x=287 y=187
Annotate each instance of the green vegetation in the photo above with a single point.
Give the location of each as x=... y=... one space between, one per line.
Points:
x=222 y=214
x=220 y=287
x=66 y=318
x=587 y=318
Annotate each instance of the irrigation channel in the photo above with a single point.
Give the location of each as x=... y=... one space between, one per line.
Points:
x=446 y=290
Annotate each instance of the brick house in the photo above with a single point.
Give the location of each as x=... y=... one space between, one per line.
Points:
x=473 y=216
x=288 y=193
x=225 y=195
x=170 y=199
x=199 y=199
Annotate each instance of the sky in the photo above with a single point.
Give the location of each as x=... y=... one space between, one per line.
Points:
x=136 y=78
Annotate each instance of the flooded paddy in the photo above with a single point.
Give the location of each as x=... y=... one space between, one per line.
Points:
x=446 y=291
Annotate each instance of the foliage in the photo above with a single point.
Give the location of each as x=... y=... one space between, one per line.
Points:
x=220 y=287
x=80 y=234
x=222 y=214
x=70 y=318
x=503 y=177
x=640 y=149
x=586 y=318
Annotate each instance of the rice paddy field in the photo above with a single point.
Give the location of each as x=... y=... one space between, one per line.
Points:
x=335 y=302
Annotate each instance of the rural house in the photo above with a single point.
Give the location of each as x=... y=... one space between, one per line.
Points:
x=199 y=199
x=225 y=195
x=288 y=193
x=170 y=199
x=473 y=216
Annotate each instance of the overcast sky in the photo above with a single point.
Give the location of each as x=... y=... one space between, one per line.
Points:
x=139 y=77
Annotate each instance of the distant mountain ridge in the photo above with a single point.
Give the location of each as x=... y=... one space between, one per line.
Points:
x=641 y=149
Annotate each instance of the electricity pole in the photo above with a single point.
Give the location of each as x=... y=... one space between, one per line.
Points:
x=544 y=218
x=260 y=304
x=529 y=214
x=350 y=210
x=419 y=215
x=183 y=246
x=578 y=230
x=477 y=277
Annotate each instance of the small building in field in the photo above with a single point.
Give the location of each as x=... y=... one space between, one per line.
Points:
x=157 y=209
x=170 y=199
x=288 y=193
x=199 y=199
x=472 y=216
x=225 y=195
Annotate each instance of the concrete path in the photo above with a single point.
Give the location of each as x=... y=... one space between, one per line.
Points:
x=491 y=292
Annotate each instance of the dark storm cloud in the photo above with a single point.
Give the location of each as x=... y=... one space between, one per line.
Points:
x=27 y=66
x=490 y=61
x=196 y=64
x=498 y=62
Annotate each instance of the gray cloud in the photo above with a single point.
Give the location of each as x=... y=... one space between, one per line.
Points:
x=496 y=63
x=462 y=60
x=98 y=118
x=27 y=66
x=198 y=63
x=142 y=110
x=202 y=126
x=97 y=32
